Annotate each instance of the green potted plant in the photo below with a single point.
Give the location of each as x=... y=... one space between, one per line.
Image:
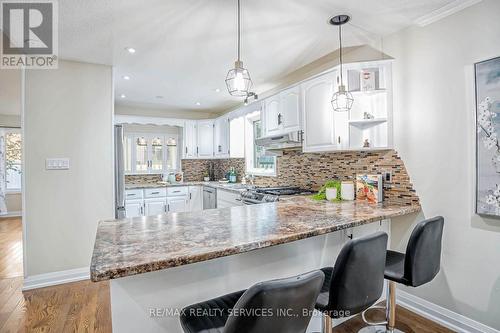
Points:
x=332 y=188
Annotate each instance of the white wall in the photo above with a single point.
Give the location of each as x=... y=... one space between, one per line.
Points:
x=68 y=113
x=434 y=133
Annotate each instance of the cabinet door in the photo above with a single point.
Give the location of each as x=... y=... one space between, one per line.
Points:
x=134 y=208
x=290 y=109
x=156 y=153
x=177 y=204
x=221 y=136
x=205 y=138
x=195 y=198
x=272 y=116
x=319 y=132
x=128 y=155
x=154 y=206
x=190 y=141
x=141 y=154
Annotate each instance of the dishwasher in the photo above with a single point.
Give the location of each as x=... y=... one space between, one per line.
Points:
x=209 y=197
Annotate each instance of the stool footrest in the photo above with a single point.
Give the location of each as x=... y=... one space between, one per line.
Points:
x=370 y=322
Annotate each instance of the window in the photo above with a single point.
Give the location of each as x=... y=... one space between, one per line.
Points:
x=257 y=162
x=13 y=146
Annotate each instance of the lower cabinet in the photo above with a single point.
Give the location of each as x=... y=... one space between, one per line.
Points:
x=228 y=199
x=154 y=206
x=162 y=200
x=195 y=198
x=134 y=208
x=177 y=204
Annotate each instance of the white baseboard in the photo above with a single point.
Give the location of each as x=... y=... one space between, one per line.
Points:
x=438 y=314
x=16 y=213
x=55 y=278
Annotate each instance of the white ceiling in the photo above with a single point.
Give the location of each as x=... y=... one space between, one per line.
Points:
x=185 y=47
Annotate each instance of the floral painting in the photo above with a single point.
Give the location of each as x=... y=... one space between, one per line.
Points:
x=488 y=135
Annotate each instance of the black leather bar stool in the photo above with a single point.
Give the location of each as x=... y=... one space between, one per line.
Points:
x=356 y=281
x=278 y=306
x=418 y=266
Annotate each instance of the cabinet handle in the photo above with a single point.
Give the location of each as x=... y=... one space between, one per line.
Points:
x=190 y=196
x=142 y=210
x=279 y=119
x=168 y=208
x=197 y=150
x=220 y=148
x=165 y=208
x=155 y=192
x=186 y=150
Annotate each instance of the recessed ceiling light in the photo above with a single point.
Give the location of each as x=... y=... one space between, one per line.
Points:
x=122 y=96
x=198 y=103
x=217 y=90
x=130 y=50
x=126 y=77
x=159 y=97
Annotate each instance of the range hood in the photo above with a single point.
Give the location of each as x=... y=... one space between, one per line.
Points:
x=276 y=143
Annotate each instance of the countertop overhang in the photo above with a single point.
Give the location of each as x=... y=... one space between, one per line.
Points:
x=139 y=245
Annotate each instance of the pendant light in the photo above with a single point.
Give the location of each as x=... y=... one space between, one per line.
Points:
x=238 y=79
x=342 y=100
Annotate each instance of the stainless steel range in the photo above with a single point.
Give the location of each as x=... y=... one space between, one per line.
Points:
x=270 y=194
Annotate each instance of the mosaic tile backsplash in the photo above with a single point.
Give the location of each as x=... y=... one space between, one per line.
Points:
x=310 y=171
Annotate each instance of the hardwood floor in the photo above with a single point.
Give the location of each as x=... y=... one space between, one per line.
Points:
x=11 y=247
x=85 y=306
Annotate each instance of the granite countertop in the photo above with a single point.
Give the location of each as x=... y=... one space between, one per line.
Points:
x=139 y=245
x=234 y=187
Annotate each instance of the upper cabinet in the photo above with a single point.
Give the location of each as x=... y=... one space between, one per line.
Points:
x=221 y=137
x=150 y=153
x=205 y=135
x=281 y=112
x=190 y=139
x=206 y=138
x=367 y=126
x=319 y=129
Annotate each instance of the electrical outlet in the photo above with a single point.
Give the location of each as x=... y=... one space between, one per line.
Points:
x=387 y=175
x=57 y=163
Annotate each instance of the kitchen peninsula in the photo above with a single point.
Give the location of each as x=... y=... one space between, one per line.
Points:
x=159 y=264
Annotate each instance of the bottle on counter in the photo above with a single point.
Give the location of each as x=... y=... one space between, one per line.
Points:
x=232 y=175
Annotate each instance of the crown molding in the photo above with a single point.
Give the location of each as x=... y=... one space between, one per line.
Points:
x=447 y=10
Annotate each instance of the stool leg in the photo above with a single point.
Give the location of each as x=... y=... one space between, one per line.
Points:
x=327 y=323
x=391 y=307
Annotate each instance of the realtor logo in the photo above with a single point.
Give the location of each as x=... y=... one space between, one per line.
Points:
x=29 y=38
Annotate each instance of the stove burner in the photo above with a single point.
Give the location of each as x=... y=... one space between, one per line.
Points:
x=289 y=190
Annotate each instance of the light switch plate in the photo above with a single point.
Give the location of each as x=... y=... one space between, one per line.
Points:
x=57 y=164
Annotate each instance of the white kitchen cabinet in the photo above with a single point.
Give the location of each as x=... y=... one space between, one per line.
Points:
x=205 y=137
x=177 y=204
x=195 y=198
x=190 y=139
x=154 y=206
x=281 y=112
x=134 y=208
x=221 y=137
x=272 y=115
x=290 y=109
x=150 y=153
x=317 y=119
x=228 y=199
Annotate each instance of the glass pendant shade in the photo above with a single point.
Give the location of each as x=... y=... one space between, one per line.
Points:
x=238 y=80
x=342 y=100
